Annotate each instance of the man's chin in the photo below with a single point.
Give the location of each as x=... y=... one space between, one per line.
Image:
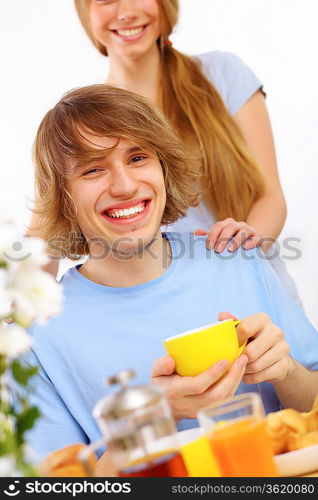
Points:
x=129 y=248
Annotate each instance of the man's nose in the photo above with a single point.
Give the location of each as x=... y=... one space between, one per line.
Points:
x=122 y=183
x=126 y=10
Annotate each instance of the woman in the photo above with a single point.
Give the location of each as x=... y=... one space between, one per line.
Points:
x=216 y=104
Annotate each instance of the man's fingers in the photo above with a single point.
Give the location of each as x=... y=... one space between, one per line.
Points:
x=226 y=315
x=273 y=373
x=251 y=326
x=238 y=380
x=229 y=383
x=266 y=339
x=188 y=386
x=162 y=366
x=269 y=358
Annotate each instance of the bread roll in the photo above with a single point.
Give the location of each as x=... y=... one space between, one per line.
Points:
x=312 y=420
x=308 y=439
x=277 y=431
x=294 y=420
x=290 y=430
x=64 y=462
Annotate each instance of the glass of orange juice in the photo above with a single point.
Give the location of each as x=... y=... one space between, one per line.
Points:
x=236 y=431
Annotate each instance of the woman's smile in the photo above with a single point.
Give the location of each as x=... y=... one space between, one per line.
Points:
x=130 y=34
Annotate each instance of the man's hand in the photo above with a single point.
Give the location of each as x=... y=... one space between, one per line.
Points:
x=267 y=349
x=187 y=395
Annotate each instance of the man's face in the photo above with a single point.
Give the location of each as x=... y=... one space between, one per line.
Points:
x=121 y=197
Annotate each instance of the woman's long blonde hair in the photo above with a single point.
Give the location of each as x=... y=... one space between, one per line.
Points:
x=231 y=179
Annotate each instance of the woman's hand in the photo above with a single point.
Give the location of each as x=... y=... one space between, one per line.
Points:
x=186 y=395
x=267 y=349
x=223 y=231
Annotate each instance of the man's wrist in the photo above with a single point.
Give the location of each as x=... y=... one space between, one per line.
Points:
x=290 y=373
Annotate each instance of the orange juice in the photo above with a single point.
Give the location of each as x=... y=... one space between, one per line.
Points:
x=243 y=449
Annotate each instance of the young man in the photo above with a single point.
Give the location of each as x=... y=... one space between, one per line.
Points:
x=109 y=173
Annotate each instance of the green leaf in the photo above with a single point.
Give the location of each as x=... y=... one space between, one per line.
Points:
x=8 y=442
x=26 y=419
x=3 y=365
x=22 y=373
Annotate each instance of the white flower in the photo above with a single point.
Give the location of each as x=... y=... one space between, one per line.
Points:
x=9 y=237
x=36 y=295
x=33 y=252
x=5 y=303
x=16 y=250
x=7 y=465
x=13 y=340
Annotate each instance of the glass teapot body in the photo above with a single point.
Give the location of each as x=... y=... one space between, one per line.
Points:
x=139 y=429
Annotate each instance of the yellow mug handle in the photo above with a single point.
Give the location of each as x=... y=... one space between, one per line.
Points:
x=236 y=322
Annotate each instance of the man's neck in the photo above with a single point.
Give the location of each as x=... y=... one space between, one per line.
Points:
x=141 y=75
x=135 y=269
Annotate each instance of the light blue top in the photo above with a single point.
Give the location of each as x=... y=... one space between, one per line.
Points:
x=103 y=330
x=232 y=78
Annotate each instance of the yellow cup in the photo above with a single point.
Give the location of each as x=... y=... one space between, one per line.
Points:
x=196 y=350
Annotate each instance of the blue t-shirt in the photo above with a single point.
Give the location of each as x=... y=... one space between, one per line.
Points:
x=103 y=330
x=233 y=79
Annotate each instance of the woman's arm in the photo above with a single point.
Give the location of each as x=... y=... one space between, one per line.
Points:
x=268 y=214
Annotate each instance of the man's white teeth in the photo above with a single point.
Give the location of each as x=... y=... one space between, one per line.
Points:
x=130 y=32
x=126 y=212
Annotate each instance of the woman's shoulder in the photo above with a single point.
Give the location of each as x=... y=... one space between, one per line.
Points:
x=231 y=76
x=219 y=59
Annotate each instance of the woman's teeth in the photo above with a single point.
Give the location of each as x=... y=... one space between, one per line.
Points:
x=130 y=32
x=126 y=212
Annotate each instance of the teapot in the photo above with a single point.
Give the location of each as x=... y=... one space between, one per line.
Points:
x=139 y=430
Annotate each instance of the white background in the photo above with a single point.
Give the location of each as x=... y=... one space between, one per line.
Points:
x=45 y=52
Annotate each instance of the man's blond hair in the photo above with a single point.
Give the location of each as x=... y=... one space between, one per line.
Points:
x=60 y=147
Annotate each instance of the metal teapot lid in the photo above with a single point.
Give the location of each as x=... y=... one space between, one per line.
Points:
x=128 y=398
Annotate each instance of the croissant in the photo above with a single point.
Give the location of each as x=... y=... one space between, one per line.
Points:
x=308 y=439
x=64 y=462
x=277 y=431
x=294 y=420
x=291 y=430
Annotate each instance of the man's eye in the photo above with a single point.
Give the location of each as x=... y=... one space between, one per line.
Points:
x=92 y=171
x=105 y=1
x=137 y=158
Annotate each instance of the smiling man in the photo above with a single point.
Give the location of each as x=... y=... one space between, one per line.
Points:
x=119 y=202
x=110 y=172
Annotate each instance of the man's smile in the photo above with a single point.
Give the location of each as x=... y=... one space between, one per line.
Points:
x=128 y=212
